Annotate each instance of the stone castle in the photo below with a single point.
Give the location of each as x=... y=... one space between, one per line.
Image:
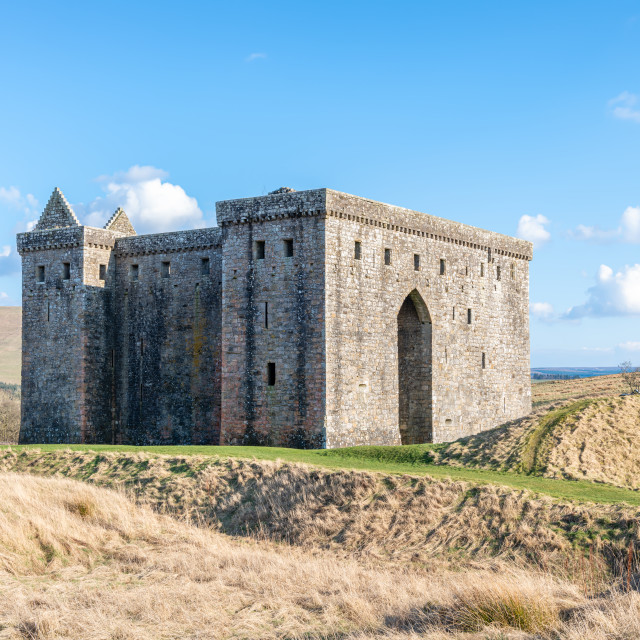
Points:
x=306 y=319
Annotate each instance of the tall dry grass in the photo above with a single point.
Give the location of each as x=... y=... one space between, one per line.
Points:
x=78 y=561
x=9 y=413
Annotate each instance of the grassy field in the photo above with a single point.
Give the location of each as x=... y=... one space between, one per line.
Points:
x=10 y=344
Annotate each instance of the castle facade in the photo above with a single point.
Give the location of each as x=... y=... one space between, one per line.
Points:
x=305 y=319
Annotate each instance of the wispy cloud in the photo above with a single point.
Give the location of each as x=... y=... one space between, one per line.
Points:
x=625 y=107
x=628 y=230
x=629 y=346
x=614 y=294
x=532 y=228
x=541 y=310
x=255 y=56
x=12 y=199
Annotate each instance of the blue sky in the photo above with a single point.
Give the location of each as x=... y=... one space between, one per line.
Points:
x=483 y=112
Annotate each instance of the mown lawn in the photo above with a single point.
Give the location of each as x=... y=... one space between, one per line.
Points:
x=413 y=460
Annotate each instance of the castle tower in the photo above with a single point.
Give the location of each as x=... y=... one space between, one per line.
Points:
x=67 y=356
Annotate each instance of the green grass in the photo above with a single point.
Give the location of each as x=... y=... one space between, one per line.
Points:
x=413 y=459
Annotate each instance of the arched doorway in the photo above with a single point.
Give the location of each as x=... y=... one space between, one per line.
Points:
x=414 y=371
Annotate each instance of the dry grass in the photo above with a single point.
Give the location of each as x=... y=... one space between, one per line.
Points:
x=9 y=413
x=378 y=518
x=10 y=344
x=78 y=561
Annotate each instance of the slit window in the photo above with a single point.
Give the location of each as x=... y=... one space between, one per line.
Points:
x=113 y=359
x=260 y=249
x=482 y=269
x=469 y=316
x=134 y=271
x=271 y=374
x=205 y=267
x=166 y=269
x=103 y=272
x=66 y=271
x=357 y=250
x=513 y=271
x=497 y=272
x=443 y=266
x=416 y=262
x=387 y=256
x=40 y=273
x=266 y=315
x=484 y=360
x=48 y=311
x=288 y=248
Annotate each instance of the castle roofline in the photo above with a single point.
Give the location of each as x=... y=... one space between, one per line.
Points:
x=331 y=203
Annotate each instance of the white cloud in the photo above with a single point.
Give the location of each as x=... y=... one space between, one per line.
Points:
x=541 y=310
x=624 y=107
x=153 y=205
x=255 y=56
x=614 y=294
x=27 y=205
x=628 y=230
x=5 y=251
x=629 y=346
x=532 y=228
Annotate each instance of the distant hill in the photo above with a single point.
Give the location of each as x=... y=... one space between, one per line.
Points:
x=10 y=344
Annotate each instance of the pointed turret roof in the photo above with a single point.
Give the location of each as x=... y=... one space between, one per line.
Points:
x=57 y=214
x=120 y=222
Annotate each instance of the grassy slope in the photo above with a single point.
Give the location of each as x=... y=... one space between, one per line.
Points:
x=10 y=344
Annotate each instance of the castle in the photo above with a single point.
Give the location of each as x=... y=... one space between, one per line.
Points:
x=305 y=319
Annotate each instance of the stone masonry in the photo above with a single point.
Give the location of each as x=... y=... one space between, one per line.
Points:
x=306 y=319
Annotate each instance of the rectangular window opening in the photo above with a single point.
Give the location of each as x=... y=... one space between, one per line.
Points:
x=271 y=374
x=387 y=256
x=40 y=273
x=416 y=262
x=66 y=271
x=498 y=272
x=166 y=269
x=443 y=266
x=453 y=313
x=484 y=361
x=103 y=272
x=357 y=250
x=266 y=315
x=48 y=311
x=113 y=359
x=482 y=269
x=466 y=271
x=288 y=248
x=205 y=267
x=260 y=249
x=134 y=271
x=468 y=316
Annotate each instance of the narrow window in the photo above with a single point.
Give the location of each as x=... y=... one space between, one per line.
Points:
x=113 y=359
x=416 y=262
x=357 y=250
x=482 y=269
x=453 y=313
x=48 y=311
x=66 y=271
x=387 y=256
x=288 y=248
x=103 y=272
x=498 y=272
x=513 y=271
x=468 y=316
x=466 y=271
x=40 y=273
x=166 y=269
x=134 y=271
x=484 y=360
x=205 y=267
x=260 y=249
x=271 y=374
x=266 y=315
x=443 y=266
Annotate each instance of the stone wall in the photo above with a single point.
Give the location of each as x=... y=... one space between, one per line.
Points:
x=273 y=316
x=167 y=342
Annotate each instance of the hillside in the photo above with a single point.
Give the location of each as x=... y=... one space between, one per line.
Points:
x=10 y=344
x=83 y=562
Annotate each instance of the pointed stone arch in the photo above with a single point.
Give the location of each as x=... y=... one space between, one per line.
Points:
x=415 y=337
